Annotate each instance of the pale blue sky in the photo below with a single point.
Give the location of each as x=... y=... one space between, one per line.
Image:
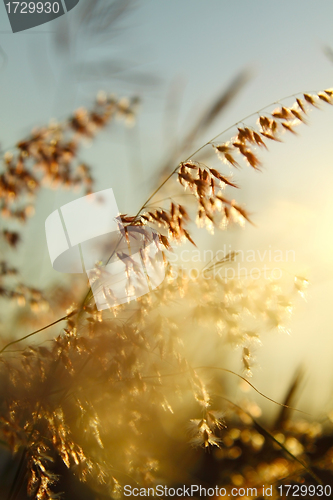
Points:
x=197 y=47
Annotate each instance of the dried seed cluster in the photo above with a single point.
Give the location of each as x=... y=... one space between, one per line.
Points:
x=50 y=157
x=105 y=377
x=207 y=184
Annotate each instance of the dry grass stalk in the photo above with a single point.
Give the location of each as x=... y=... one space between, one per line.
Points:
x=92 y=395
